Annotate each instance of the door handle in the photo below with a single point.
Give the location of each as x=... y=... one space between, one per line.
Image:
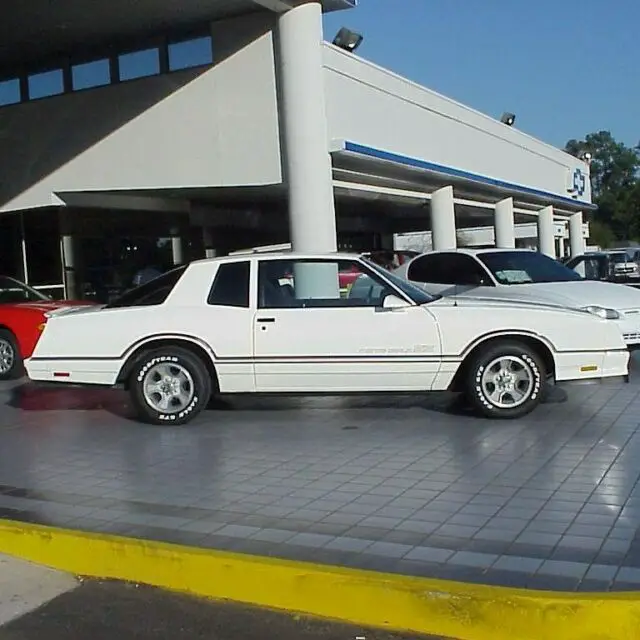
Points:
x=266 y=320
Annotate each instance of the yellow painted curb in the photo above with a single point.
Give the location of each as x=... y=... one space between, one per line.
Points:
x=455 y=610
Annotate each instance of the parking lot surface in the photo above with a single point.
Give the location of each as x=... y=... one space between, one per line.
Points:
x=390 y=483
x=107 y=610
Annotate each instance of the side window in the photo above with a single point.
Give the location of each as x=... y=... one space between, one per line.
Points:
x=463 y=270
x=230 y=286
x=318 y=284
x=447 y=268
x=150 y=293
x=429 y=268
x=580 y=267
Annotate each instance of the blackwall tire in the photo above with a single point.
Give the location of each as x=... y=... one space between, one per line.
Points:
x=169 y=386
x=11 y=366
x=505 y=380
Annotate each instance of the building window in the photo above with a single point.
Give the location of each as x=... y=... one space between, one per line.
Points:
x=45 y=84
x=9 y=92
x=42 y=243
x=190 y=53
x=90 y=74
x=11 y=246
x=139 y=64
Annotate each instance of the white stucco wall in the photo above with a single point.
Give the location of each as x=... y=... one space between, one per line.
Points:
x=372 y=106
x=186 y=129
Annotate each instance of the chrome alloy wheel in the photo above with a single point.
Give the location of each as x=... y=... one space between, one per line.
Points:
x=168 y=387
x=507 y=382
x=7 y=356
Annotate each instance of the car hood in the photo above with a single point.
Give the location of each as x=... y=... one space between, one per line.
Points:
x=575 y=294
x=479 y=300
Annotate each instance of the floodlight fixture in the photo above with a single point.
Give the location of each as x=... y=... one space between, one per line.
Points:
x=348 y=40
x=508 y=118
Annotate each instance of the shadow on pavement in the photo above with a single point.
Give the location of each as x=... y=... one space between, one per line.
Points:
x=32 y=397
x=108 y=610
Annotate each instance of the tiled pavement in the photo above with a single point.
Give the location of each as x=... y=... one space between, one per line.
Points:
x=389 y=483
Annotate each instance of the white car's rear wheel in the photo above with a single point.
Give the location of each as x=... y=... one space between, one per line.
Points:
x=505 y=380
x=170 y=385
x=10 y=360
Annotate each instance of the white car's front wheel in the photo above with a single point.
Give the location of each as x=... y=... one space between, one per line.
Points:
x=505 y=380
x=170 y=385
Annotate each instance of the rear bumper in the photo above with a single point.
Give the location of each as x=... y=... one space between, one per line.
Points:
x=79 y=372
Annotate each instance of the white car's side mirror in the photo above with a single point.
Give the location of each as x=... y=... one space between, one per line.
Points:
x=393 y=302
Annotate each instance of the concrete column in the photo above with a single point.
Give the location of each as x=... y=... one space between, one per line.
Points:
x=23 y=252
x=576 y=239
x=67 y=251
x=546 y=233
x=68 y=254
x=177 y=254
x=307 y=163
x=561 y=249
x=443 y=220
x=207 y=238
x=504 y=225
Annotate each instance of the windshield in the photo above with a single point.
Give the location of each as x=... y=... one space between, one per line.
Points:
x=418 y=295
x=526 y=267
x=13 y=292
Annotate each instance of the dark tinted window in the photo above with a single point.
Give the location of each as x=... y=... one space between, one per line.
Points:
x=522 y=267
x=231 y=285
x=190 y=53
x=45 y=84
x=139 y=64
x=9 y=91
x=91 y=74
x=154 y=292
x=448 y=268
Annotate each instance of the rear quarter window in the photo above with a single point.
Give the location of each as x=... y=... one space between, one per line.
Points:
x=230 y=286
x=151 y=293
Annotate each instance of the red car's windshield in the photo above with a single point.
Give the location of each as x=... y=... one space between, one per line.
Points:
x=14 y=292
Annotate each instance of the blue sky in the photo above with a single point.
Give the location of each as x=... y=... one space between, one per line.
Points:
x=566 y=68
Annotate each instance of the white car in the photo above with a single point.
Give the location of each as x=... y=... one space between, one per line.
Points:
x=277 y=324
x=522 y=275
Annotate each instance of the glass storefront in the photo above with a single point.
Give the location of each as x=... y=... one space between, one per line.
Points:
x=11 y=263
x=42 y=246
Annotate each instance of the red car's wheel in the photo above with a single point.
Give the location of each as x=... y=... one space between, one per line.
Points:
x=10 y=359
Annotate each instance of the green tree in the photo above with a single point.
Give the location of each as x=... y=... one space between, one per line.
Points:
x=614 y=183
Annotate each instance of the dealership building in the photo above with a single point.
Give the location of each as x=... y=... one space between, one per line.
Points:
x=166 y=131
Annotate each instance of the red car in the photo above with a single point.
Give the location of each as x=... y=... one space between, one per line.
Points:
x=382 y=257
x=22 y=318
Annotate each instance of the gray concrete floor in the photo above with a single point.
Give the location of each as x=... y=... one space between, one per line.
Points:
x=104 y=611
x=388 y=483
x=25 y=587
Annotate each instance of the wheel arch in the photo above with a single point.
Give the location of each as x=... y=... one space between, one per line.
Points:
x=195 y=346
x=5 y=327
x=535 y=342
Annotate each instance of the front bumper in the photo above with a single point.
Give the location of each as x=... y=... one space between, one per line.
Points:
x=597 y=365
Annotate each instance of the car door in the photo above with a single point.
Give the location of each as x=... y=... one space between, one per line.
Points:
x=310 y=338
x=448 y=273
x=227 y=326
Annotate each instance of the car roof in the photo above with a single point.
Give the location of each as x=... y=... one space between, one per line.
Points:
x=475 y=252
x=279 y=255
